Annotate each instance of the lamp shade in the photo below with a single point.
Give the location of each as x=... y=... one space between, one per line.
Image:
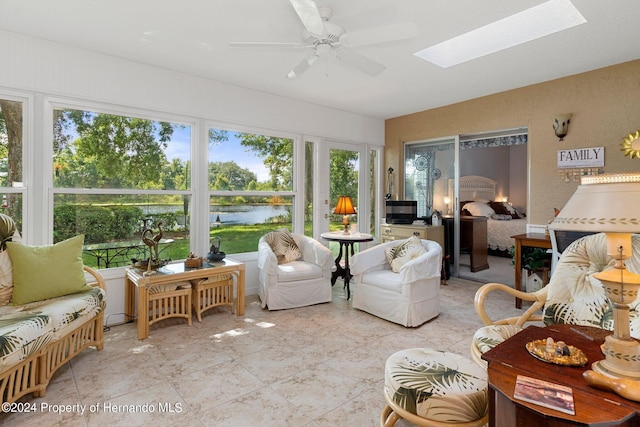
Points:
x=344 y=206
x=608 y=203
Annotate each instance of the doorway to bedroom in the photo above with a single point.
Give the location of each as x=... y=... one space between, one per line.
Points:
x=493 y=184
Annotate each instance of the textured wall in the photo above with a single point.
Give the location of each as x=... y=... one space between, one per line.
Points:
x=605 y=104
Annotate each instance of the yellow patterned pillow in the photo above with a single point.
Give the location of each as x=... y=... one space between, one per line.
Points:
x=403 y=252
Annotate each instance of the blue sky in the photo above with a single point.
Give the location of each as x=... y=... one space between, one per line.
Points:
x=224 y=151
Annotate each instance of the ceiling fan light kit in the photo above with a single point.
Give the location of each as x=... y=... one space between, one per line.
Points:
x=327 y=38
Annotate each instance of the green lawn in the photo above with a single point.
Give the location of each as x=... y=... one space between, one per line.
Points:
x=234 y=239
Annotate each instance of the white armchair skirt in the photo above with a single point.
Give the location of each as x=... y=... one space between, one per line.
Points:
x=409 y=297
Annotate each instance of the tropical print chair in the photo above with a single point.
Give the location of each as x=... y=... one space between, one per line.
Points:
x=572 y=296
x=433 y=388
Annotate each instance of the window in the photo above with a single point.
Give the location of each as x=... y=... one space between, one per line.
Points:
x=308 y=187
x=374 y=155
x=11 y=149
x=251 y=187
x=116 y=176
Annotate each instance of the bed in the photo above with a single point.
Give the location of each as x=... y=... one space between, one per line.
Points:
x=477 y=197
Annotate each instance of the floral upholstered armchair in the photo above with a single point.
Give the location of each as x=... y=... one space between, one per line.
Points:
x=572 y=296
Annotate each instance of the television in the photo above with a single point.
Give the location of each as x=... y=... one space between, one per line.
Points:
x=401 y=211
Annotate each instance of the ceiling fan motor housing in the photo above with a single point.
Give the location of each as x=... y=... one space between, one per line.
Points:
x=334 y=33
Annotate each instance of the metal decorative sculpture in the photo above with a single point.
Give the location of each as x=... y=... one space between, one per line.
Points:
x=152 y=240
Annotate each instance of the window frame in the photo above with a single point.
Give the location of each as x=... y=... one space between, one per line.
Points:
x=297 y=182
x=27 y=157
x=54 y=103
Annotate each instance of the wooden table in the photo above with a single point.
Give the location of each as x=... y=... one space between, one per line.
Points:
x=593 y=407
x=137 y=286
x=346 y=242
x=532 y=240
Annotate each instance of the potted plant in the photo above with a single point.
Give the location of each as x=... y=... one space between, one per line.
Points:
x=535 y=267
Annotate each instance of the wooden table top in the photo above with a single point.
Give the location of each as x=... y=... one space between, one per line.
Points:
x=592 y=405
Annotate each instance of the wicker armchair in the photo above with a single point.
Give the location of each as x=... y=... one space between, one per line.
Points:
x=572 y=296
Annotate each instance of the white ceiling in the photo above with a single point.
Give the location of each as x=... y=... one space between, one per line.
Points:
x=193 y=36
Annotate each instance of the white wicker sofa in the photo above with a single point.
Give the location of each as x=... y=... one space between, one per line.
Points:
x=39 y=336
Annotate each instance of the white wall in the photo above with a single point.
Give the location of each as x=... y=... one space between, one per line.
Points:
x=41 y=69
x=40 y=66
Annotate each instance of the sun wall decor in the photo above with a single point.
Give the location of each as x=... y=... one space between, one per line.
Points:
x=631 y=145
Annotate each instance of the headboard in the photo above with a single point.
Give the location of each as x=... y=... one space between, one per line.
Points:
x=474 y=187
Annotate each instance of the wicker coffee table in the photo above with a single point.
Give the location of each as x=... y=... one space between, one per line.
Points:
x=137 y=287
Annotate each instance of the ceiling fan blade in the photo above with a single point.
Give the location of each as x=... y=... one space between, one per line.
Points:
x=310 y=16
x=267 y=44
x=303 y=66
x=383 y=34
x=358 y=61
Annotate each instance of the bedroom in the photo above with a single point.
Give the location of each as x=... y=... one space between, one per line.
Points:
x=502 y=159
x=492 y=169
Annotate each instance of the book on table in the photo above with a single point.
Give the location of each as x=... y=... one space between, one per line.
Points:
x=544 y=393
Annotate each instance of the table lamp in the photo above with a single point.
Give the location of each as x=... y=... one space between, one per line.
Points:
x=610 y=204
x=447 y=200
x=345 y=208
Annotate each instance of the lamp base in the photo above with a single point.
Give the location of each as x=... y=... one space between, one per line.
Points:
x=345 y=223
x=622 y=358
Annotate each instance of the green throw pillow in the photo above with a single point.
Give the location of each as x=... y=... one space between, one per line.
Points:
x=43 y=272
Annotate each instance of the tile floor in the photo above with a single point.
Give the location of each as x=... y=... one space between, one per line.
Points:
x=314 y=366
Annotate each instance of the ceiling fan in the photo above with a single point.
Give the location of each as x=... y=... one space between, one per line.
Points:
x=325 y=38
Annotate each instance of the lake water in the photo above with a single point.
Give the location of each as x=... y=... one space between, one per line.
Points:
x=247 y=214
x=232 y=214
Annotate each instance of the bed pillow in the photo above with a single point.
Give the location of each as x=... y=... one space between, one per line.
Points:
x=43 y=272
x=514 y=213
x=503 y=208
x=500 y=208
x=479 y=209
x=403 y=252
x=283 y=246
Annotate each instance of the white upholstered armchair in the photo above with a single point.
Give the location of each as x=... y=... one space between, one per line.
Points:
x=408 y=297
x=296 y=274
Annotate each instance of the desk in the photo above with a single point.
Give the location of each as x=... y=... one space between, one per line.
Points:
x=532 y=240
x=592 y=406
x=346 y=242
x=137 y=286
x=115 y=254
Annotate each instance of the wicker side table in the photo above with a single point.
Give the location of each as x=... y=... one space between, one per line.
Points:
x=212 y=292
x=169 y=300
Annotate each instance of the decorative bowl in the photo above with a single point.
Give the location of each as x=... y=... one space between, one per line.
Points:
x=538 y=350
x=218 y=256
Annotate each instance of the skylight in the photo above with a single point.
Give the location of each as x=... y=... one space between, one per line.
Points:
x=539 y=21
